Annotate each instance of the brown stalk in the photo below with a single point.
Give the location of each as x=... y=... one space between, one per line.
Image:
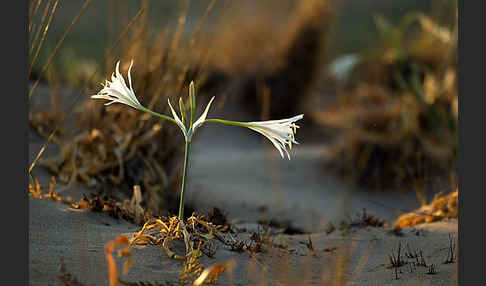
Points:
x=173 y=48
x=59 y=44
x=200 y=23
x=41 y=24
x=33 y=12
x=44 y=36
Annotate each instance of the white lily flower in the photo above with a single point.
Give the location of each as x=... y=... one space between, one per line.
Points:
x=279 y=132
x=117 y=90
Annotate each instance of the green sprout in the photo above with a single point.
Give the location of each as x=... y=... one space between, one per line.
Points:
x=279 y=132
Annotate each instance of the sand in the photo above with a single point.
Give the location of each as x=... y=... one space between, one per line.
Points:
x=57 y=233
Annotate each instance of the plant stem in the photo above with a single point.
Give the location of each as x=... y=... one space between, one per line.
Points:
x=184 y=177
x=157 y=114
x=228 y=122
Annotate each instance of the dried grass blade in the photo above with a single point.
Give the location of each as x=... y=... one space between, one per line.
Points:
x=43 y=148
x=59 y=44
x=39 y=29
x=44 y=36
x=33 y=12
x=201 y=22
x=180 y=28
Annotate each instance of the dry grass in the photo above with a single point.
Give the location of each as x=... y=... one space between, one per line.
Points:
x=197 y=232
x=129 y=209
x=162 y=231
x=442 y=207
x=53 y=53
x=397 y=124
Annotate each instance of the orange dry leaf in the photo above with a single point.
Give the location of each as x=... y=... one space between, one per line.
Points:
x=212 y=273
x=124 y=252
x=440 y=208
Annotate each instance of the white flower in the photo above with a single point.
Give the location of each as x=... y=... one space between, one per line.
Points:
x=117 y=90
x=279 y=132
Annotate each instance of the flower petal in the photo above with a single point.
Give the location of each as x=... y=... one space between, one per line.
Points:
x=117 y=91
x=270 y=122
x=177 y=119
x=275 y=143
x=129 y=76
x=279 y=132
x=203 y=116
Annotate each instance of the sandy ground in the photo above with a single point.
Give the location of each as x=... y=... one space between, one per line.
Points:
x=233 y=168
x=77 y=238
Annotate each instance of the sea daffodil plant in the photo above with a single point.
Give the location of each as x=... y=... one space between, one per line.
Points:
x=279 y=132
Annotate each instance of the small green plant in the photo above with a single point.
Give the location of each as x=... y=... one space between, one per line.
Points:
x=279 y=132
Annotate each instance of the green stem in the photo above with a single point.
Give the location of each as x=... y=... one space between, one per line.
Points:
x=157 y=114
x=186 y=158
x=227 y=122
x=184 y=177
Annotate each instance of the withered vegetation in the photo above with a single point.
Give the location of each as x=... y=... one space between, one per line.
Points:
x=119 y=151
x=396 y=120
x=432 y=269
x=451 y=250
x=161 y=231
x=412 y=258
x=396 y=261
x=359 y=220
x=415 y=259
x=130 y=210
x=366 y=219
x=259 y=241
x=441 y=207
x=286 y=226
x=196 y=232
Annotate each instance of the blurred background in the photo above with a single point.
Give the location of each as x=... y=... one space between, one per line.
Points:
x=376 y=80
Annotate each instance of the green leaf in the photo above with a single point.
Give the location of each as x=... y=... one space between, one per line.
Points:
x=182 y=108
x=192 y=101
